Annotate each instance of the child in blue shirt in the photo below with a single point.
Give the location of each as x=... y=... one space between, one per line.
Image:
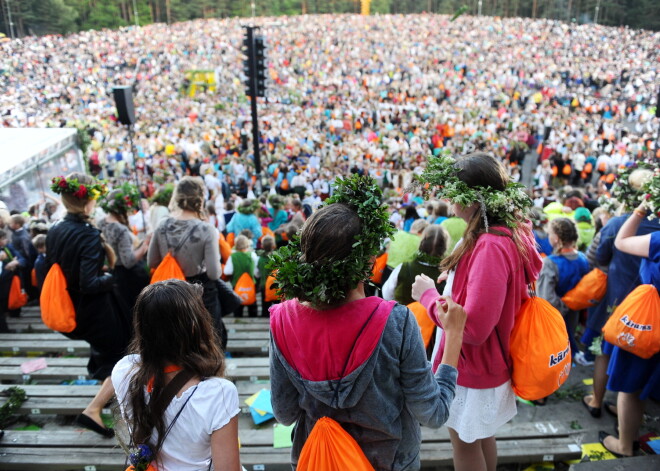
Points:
x=561 y=271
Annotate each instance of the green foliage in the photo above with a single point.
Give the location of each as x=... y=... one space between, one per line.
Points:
x=327 y=282
x=16 y=399
x=64 y=16
x=507 y=206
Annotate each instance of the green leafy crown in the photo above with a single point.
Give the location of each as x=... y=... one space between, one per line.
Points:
x=327 y=282
x=124 y=201
x=441 y=176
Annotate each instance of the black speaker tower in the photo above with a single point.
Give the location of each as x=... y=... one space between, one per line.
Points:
x=124 y=103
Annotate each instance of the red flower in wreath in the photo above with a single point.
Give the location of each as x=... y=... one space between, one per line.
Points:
x=62 y=183
x=81 y=193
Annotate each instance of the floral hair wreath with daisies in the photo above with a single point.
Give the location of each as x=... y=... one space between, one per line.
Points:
x=441 y=175
x=72 y=186
x=651 y=195
x=125 y=200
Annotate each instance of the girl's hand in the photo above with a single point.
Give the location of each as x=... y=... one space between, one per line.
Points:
x=421 y=284
x=450 y=315
x=443 y=277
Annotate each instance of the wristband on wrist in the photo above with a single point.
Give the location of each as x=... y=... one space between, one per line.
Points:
x=640 y=213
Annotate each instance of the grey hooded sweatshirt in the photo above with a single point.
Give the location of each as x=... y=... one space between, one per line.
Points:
x=389 y=391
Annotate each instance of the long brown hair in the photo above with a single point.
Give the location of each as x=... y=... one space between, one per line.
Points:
x=484 y=170
x=172 y=327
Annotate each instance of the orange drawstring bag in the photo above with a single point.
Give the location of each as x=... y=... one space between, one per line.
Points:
x=566 y=170
x=33 y=277
x=57 y=310
x=634 y=326
x=168 y=269
x=245 y=290
x=588 y=292
x=270 y=293
x=426 y=325
x=555 y=171
x=17 y=295
x=230 y=239
x=284 y=185
x=225 y=248
x=540 y=350
x=330 y=448
x=379 y=268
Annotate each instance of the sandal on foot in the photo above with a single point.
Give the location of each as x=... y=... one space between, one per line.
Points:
x=87 y=422
x=594 y=411
x=636 y=444
x=602 y=435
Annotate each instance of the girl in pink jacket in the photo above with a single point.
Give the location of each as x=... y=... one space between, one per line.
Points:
x=490 y=270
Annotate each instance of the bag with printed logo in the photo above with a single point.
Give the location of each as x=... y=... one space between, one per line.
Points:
x=634 y=326
x=540 y=350
x=246 y=290
x=588 y=292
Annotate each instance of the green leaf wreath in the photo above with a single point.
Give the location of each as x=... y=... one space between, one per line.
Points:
x=441 y=176
x=327 y=282
x=125 y=201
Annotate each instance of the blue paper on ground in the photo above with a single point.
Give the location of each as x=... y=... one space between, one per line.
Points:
x=655 y=446
x=262 y=401
x=258 y=418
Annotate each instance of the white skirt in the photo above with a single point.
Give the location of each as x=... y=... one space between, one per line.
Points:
x=478 y=413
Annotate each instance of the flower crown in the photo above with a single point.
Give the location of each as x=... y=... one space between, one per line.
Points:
x=94 y=191
x=327 y=282
x=124 y=201
x=651 y=194
x=441 y=175
x=622 y=190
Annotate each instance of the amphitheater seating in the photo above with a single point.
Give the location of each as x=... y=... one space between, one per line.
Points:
x=67 y=447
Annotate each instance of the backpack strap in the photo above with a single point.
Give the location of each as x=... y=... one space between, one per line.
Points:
x=350 y=353
x=183 y=240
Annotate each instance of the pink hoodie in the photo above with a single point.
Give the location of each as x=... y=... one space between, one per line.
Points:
x=491 y=284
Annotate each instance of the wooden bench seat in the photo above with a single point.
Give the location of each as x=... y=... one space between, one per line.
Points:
x=55 y=343
x=35 y=325
x=46 y=450
x=61 y=369
x=71 y=399
x=34 y=312
x=635 y=463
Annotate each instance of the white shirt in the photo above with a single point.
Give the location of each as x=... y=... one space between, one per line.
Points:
x=188 y=445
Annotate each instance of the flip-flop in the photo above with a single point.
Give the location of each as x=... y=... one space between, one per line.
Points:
x=602 y=435
x=608 y=408
x=594 y=411
x=87 y=422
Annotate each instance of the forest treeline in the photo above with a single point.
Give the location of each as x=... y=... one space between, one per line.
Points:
x=37 y=17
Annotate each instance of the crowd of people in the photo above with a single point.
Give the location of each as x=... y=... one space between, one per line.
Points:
x=361 y=96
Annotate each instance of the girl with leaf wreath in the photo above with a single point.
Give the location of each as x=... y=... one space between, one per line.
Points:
x=246 y=218
x=102 y=319
x=636 y=379
x=337 y=353
x=489 y=273
x=130 y=269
